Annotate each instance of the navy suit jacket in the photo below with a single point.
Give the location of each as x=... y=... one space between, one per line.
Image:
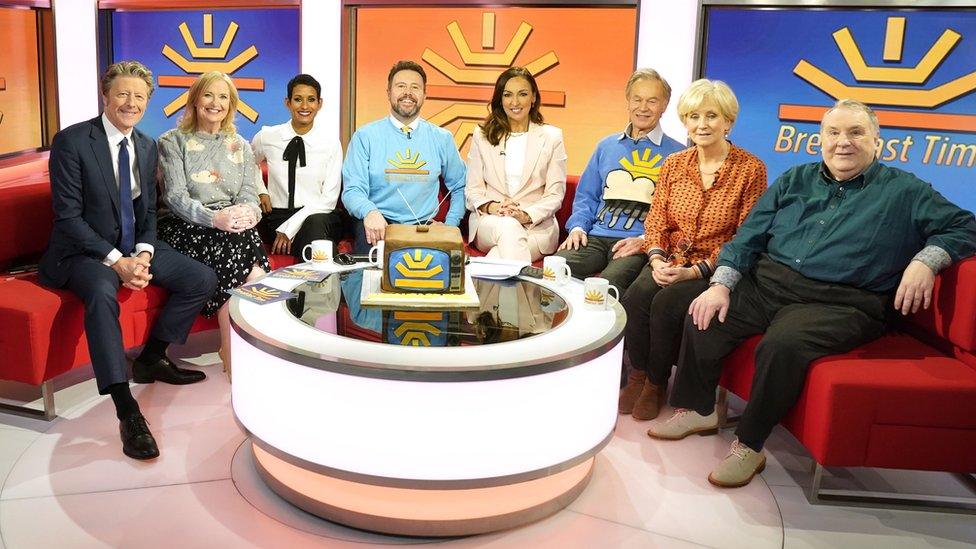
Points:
x=85 y=196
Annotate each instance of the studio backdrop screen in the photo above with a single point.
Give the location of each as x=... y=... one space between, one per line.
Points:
x=916 y=68
x=20 y=91
x=258 y=48
x=581 y=58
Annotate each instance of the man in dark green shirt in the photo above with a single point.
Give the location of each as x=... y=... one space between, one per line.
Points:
x=812 y=268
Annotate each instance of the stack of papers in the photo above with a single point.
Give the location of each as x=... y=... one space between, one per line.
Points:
x=494 y=269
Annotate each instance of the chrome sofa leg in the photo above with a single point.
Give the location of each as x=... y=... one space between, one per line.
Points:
x=47 y=396
x=817 y=495
x=47 y=399
x=722 y=407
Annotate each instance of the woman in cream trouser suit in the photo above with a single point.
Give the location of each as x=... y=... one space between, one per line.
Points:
x=516 y=174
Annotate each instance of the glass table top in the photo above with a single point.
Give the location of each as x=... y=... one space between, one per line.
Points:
x=508 y=310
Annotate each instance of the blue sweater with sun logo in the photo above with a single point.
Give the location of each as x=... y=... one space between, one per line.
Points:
x=614 y=193
x=399 y=175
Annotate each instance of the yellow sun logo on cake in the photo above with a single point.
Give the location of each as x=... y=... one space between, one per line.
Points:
x=415 y=271
x=643 y=165
x=594 y=297
x=407 y=163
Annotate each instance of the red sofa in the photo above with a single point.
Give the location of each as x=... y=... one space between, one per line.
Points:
x=905 y=401
x=42 y=330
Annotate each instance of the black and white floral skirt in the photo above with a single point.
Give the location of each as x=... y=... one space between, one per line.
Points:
x=230 y=255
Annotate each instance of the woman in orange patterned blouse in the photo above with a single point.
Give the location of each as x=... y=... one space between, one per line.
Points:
x=703 y=194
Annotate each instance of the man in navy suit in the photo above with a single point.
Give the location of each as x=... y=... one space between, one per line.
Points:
x=104 y=196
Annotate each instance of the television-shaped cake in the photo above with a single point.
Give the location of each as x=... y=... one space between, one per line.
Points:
x=423 y=259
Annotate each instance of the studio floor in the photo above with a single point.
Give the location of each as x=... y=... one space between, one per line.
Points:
x=66 y=484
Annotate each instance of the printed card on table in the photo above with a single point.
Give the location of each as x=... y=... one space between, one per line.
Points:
x=297 y=272
x=262 y=294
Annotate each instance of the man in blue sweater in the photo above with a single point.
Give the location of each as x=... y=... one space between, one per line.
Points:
x=606 y=229
x=394 y=165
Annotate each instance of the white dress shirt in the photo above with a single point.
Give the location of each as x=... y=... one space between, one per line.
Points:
x=317 y=185
x=399 y=125
x=114 y=139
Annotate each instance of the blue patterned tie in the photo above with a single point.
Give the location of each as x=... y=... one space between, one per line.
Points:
x=127 y=240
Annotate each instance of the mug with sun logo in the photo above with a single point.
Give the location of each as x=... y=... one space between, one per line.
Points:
x=597 y=292
x=321 y=253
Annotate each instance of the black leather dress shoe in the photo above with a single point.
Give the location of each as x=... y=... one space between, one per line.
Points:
x=165 y=371
x=137 y=441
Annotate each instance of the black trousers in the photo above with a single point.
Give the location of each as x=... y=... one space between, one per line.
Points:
x=597 y=258
x=316 y=226
x=655 y=322
x=803 y=320
x=189 y=283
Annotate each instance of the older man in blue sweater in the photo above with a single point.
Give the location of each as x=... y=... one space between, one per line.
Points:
x=606 y=228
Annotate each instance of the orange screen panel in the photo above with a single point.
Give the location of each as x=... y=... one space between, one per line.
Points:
x=20 y=96
x=581 y=58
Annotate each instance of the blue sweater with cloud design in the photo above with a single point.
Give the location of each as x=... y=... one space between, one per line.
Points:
x=399 y=175
x=615 y=190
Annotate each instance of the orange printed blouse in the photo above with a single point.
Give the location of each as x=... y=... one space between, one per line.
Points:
x=689 y=224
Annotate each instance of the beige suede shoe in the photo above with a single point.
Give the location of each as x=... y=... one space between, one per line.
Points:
x=630 y=392
x=738 y=468
x=648 y=404
x=683 y=423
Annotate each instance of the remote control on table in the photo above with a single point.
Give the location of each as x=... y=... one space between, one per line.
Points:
x=531 y=271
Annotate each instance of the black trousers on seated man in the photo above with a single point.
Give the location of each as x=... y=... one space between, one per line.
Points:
x=801 y=320
x=318 y=226
x=188 y=282
x=596 y=259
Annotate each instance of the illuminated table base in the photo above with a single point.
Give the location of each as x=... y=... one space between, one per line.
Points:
x=420 y=512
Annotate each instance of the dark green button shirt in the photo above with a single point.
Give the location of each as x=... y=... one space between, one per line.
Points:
x=862 y=232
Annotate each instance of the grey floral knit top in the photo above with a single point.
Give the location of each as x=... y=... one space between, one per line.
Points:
x=203 y=173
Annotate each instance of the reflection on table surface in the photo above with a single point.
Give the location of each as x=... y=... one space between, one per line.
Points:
x=508 y=310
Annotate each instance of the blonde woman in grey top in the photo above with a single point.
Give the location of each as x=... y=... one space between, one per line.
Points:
x=208 y=186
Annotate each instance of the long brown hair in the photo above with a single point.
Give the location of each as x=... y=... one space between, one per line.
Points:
x=496 y=125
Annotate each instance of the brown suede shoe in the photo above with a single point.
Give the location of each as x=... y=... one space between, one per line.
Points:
x=630 y=392
x=649 y=402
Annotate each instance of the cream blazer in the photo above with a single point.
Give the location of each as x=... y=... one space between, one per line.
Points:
x=543 y=182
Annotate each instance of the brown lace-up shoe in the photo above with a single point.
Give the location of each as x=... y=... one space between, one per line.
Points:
x=649 y=402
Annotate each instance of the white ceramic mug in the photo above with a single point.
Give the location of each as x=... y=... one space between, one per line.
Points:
x=378 y=251
x=596 y=293
x=321 y=253
x=555 y=269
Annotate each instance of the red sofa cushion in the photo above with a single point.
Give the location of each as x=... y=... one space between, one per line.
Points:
x=876 y=404
x=42 y=330
x=952 y=315
x=26 y=221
